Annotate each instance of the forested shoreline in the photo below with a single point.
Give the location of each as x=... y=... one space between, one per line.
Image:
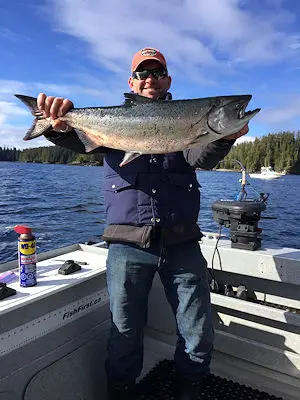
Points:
x=49 y=155
x=278 y=150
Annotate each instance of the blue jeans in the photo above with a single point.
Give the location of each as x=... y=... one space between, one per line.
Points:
x=183 y=272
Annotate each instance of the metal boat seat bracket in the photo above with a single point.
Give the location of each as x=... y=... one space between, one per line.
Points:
x=69 y=267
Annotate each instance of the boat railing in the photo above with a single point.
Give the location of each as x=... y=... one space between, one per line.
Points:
x=263 y=329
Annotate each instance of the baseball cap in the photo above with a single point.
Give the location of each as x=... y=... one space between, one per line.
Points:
x=147 y=53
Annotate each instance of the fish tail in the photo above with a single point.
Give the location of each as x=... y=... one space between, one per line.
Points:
x=40 y=124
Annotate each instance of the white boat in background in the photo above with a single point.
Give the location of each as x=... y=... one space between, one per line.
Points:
x=53 y=335
x=267 y=173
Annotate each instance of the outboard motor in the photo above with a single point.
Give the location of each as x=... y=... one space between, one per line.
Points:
x=242 y=217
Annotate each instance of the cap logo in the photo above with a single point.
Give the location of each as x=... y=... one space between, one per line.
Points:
x=148 y=52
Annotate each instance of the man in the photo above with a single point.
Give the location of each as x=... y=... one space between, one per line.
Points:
x=152 y=227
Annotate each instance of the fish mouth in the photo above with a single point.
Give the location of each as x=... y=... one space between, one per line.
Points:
x=242 y=113
x=247 y=115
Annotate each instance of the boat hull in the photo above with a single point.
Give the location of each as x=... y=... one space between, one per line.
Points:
x=53 y=336
x=267 y=173
x=267 y=177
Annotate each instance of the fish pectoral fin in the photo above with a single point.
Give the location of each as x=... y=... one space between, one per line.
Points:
x=132 y=99
x=90 y=141
x=197 y=140
x=129 y=157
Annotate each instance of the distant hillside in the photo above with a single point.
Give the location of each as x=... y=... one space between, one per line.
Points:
x=49 y=154
x=279 y=150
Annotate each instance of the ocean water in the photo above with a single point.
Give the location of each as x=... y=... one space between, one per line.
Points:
x=63 y=204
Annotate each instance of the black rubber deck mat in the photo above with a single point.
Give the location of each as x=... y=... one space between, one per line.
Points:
x=160 y=382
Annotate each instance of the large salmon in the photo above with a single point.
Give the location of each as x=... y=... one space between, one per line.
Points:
x=145 y=126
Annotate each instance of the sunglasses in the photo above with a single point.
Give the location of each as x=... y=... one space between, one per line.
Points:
x=156 y=73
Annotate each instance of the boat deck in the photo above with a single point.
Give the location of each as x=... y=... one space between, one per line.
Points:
x=160 y=384
x=53 y=336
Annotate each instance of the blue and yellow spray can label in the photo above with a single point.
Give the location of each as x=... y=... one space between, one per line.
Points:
x=27 y=262
x=27 y=247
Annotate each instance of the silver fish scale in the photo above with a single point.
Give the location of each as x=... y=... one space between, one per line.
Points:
x=156 y=127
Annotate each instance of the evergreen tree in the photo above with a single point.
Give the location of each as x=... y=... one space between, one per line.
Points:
x=279 y=150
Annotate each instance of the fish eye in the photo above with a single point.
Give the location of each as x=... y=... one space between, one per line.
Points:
x=238 y=106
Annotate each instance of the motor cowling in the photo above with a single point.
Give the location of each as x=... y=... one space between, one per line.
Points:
x=242 y=218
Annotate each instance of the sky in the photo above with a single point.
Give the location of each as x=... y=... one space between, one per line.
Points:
x=82 y=50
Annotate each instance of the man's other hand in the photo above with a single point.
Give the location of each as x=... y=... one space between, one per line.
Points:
x=238 y=134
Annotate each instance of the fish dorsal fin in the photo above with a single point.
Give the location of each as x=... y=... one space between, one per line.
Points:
x=133 y=99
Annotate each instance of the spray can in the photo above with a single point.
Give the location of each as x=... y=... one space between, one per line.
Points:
x=26 y=256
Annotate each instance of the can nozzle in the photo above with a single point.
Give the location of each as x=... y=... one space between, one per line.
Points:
x=22 y=229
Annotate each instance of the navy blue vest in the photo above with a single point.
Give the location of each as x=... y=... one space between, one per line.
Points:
x=157 y=190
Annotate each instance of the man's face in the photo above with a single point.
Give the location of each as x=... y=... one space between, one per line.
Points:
x=150 y=87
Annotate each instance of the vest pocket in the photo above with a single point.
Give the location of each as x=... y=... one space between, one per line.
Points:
x=118 y=183
x=183 y=199
x=185 y=181
x=120 y=199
